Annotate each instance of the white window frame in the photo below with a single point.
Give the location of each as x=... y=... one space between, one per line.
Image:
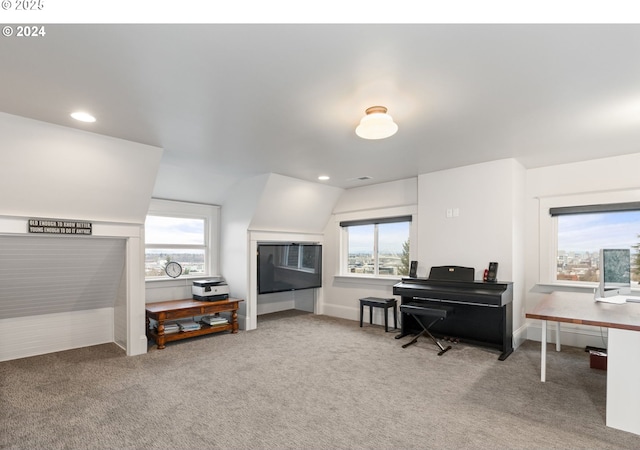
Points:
x=211 y=216
x=549 y=229
x=371 y=215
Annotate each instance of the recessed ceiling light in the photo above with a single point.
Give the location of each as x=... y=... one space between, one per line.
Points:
x=323 y=177
x=83 y=116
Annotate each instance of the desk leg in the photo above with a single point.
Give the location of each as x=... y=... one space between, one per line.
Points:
x=557 y=336
x=543 y=352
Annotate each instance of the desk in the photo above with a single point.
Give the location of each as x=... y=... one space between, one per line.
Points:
x=623 y=352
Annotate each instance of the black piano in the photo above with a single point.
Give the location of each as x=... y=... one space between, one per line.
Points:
x=482 y=311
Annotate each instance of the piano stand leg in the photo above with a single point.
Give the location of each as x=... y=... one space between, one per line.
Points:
x=426 y=333
x=401 y=335
x=413 y=341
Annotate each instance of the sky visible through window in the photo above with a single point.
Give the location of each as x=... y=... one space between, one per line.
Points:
x=174 y=230
x=591 y=232
x=391 y=236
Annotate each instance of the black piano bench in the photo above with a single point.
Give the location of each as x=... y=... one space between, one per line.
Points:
x=429 y=313
x=386 y=303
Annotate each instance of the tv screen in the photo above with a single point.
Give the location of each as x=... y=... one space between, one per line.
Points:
x=289 y=267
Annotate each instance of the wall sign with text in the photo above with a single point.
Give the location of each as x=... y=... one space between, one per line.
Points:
x=55 y=226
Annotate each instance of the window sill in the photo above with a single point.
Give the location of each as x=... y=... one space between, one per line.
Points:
x=360 y=279
x=547 y=288
x=168 y=282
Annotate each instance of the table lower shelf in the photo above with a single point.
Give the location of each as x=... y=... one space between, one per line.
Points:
x=206 y=329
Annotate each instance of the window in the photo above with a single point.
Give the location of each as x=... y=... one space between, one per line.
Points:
x=181 y=232
x=377 y=247
x=583 y=231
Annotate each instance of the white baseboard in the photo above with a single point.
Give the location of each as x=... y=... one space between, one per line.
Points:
x=344 y=312
x=571 y=335
x=275 y=306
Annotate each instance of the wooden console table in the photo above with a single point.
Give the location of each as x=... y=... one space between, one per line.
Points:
x=181 y=309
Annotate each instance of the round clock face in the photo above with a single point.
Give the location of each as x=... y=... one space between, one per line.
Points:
x=173 y=269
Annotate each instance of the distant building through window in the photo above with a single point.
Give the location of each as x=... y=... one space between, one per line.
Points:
x=175 y=239
x=581 y=236
x=378 y=248
x=187 y=233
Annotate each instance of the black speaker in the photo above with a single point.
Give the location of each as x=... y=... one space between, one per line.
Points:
x=492 y=276
x=413 y=271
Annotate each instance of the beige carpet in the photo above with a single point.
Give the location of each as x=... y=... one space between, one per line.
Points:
x=305 y=382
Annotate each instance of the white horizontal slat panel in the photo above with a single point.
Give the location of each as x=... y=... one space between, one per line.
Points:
x=21 y=337
x=46 y=275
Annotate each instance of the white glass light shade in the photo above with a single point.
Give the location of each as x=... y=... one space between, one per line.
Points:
x=377 y=124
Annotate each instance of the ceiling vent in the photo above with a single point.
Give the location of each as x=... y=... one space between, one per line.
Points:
x=363 y=178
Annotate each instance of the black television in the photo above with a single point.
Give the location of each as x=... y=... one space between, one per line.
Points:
x=289 y=267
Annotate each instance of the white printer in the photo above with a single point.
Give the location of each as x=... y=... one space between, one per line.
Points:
x=210 y=290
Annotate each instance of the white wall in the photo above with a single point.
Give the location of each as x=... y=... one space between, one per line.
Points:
x=179 y=177
x=289 y=204
x=341 y=293
x=65 y=329
x=589 y=182
x=63 y=173
x=378 y=196
x=487 y=198
x=272 y=204
x=236 y=214
x=482 y=231
x=58 y=172
x=488 y=227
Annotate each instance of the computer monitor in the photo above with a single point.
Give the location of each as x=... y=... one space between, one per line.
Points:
x=615 y=272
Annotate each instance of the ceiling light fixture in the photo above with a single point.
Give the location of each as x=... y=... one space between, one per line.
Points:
x=83 y=116
x=377 y=124
x=323 y=177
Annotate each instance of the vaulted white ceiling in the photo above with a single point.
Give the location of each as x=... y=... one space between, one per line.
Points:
x=233 y=101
